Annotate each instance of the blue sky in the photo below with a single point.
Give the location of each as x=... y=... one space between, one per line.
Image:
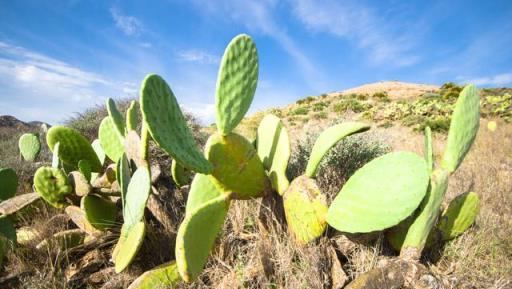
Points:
x=58 y=57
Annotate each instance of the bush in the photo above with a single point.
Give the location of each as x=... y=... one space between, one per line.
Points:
x=319 y=106
x=300 y=111
x=340 y=163
x=351 y=104
x=381 y=96
x=437 y=124
x=306 y=100
x=320 y=115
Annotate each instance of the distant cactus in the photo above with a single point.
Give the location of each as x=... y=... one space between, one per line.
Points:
x=30 y=146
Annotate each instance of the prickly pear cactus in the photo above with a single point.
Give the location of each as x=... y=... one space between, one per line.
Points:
x=305 y=207
x=132 y=116
x=197 y=234
x=64 y=240
x=165 y=275
x=180 y=175
x=327 y=140
x=100 y=212
x=237 y=167
x=236 y=82
x=167 y=125
x=380 y=194
x=7 y=229
x=428 y=149
x=117 y=117
x=136 y=197
x=78 y=217
x=274 y=150
x=463 y=128
x=8 y=183
x=16 y=203
x=73 y=147
x=123 y=176
x=459 y=216
x=201 y=191
x=30 y=146
x=110 y=141
x=128 y=246
x=53 y=186
x=98 y=149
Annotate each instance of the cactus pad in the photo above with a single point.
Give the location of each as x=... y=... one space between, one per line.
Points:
x=117 y=117
x=73 y=147
x=8 y=183
x=123 y=175
x=492 y=126
x=78 y=217
x=133 y=149
x=197 y=234
x=26 y=235
x=180 y=175
x=98 y=149
x=79 y=183
x=380 y=194
x=237 y=167
x=7 y=229
x=55 y=156
x=128 y=246
x=53 y=186
x=236 y=82
x=168 y=126
x=463 y=128
x=30 y=146
x=459 y=216
x=132 y=116
x=16 y=203
x=100 y=212
x=85 y=169
x=327 y=139
x=201 y=191
x=136 y=197
x=165 y=275
x=305 y=207
x=110 y=141
x=273 y=145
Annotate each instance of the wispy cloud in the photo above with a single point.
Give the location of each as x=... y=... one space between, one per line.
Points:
x=129 y=25
x=495 y=80
x=358 y=24
x=198 y=56
x=48 y=88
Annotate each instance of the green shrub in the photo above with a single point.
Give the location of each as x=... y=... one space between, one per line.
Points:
x=319 y=106
x=381 y=96
x=320 y=115
x=306 y=100
x=351 y=104
x=437 y=124
x=300 y=111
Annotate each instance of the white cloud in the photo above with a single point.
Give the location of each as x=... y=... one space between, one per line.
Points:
x=358 y=24
x=198 y=56
x=34 y=86
x=205 y=112
x=496 y=80
x=130 y=25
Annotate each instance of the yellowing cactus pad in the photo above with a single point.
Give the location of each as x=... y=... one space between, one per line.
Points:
x=236 y=82
x=128 y=246
x=73 y=147
x=459 y=216
x=305 y=207
x=237 y=167
x=53 y=186
x=162 y=276
x=380 y=194
x=197 y=234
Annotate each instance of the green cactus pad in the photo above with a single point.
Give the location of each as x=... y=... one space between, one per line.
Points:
x=7 y=229
x=132 y=116
x=98 y=149
x=8 y=183
x=165 y=275
x=78 y=217
x=380 y=194
x=237 y=167
x=16 y=203
x=459 y=216
x=428 y=149
x=85 y=169
x=110 y=141
x=236 y=83
x=327 y=139
x=53 y=186
x=129 y=246
x=463 y=128
x=73 y=147
x=55 y=156
x=274 y=150
x=117 y=117
x=63 y=240
x=197 y=234
x=124 y=176
x=396 y=235
x=4 y=247
x=180 y=175
x=168 y=126
x=305 y=207
x=136 y=197
x=30 y=146
x=202 y=190
x=100 y=212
